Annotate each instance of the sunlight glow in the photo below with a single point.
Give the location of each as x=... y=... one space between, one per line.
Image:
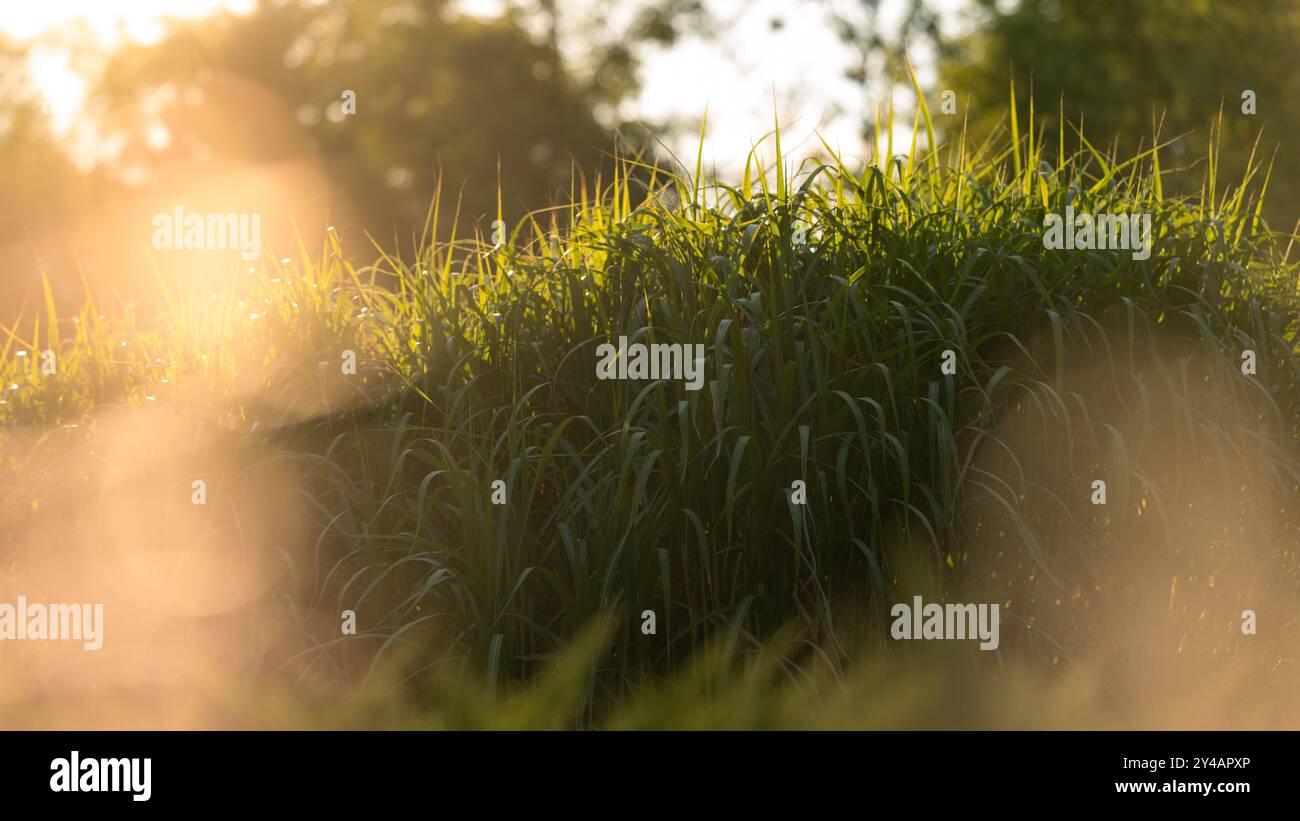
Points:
x=62 y=89
x=137 y=20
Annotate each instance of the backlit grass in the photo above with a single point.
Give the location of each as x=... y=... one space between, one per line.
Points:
x=825 y=295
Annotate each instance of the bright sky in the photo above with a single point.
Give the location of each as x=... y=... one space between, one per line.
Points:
x=740 y=76
x=735 y=75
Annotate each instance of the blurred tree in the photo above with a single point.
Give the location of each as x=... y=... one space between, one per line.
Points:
x=39 y=182
x=1121 y=66
x=436 y=93
x=878 y=43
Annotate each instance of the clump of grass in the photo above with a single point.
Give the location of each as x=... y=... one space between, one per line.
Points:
x=825 y=296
